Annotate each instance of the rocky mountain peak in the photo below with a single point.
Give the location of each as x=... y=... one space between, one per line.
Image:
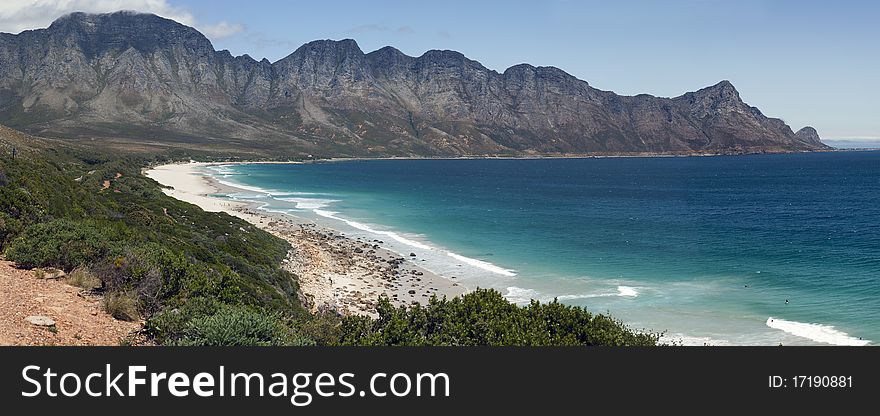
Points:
x=328 y=47
x=722 y=91
x=719 y=99
x=809 y=135
x=98 y=33
x=446 y=57
x=388 y=54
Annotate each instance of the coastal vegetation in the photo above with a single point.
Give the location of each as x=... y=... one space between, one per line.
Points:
x=202 y=278
x=484 y=317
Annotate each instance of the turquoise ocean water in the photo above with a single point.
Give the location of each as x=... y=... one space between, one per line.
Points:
x=706 y=249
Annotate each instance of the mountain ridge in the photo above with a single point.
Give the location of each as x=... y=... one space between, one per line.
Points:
x=127 y=76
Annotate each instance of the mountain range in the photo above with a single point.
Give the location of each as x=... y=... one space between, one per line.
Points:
x=139 y=80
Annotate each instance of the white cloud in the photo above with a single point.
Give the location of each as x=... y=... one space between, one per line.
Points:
x=221 y=30
x=19 y=15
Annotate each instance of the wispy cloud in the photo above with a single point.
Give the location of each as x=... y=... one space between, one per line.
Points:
x=19 y=15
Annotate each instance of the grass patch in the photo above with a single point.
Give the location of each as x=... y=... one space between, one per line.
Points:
x=122 y=305
x=83 y=278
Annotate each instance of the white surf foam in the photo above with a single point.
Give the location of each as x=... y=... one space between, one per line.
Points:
x=627 y=291
x=255 y=189
x=225 y=170
x=489 y=267
x=622 y=291
x=816 y=332
x=520 y=295
x=309 y=203
x=687 y=340
x=364 y=227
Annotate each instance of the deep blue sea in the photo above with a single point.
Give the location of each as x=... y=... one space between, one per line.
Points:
x=762 y=249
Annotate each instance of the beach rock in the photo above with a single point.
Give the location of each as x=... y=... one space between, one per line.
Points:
x=412 y=254
x=40 y=320
x=412 y=292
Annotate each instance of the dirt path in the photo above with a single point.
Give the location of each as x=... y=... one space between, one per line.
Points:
x=79 y=318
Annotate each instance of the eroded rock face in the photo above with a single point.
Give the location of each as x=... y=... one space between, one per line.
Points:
x=124 y=74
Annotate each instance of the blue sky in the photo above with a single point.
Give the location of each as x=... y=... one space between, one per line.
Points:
x=807 y=62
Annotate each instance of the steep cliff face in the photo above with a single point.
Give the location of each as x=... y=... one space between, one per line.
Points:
x=127 y=75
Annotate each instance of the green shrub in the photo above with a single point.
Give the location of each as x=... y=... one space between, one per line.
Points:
x=63 y=243
x=122 y=305
x=169 y=325
x=9 y=228
x=484 y=317
x=239 y=326
x=324 y=329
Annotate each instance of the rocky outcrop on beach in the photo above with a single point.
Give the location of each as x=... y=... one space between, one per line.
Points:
x=341 y=275
x=127 y=76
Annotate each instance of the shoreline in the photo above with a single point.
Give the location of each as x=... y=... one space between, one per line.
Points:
x=497 y=157
x=335 y=272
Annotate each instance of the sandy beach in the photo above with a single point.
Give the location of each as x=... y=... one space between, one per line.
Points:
x=336 y=273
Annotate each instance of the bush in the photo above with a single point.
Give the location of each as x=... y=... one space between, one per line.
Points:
x=122 y=305
x=169 y=325
x=9 y=228
x=82 y=277
x=64 y=244
x=239 y=326
x=484 y=317
x=323 y=329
